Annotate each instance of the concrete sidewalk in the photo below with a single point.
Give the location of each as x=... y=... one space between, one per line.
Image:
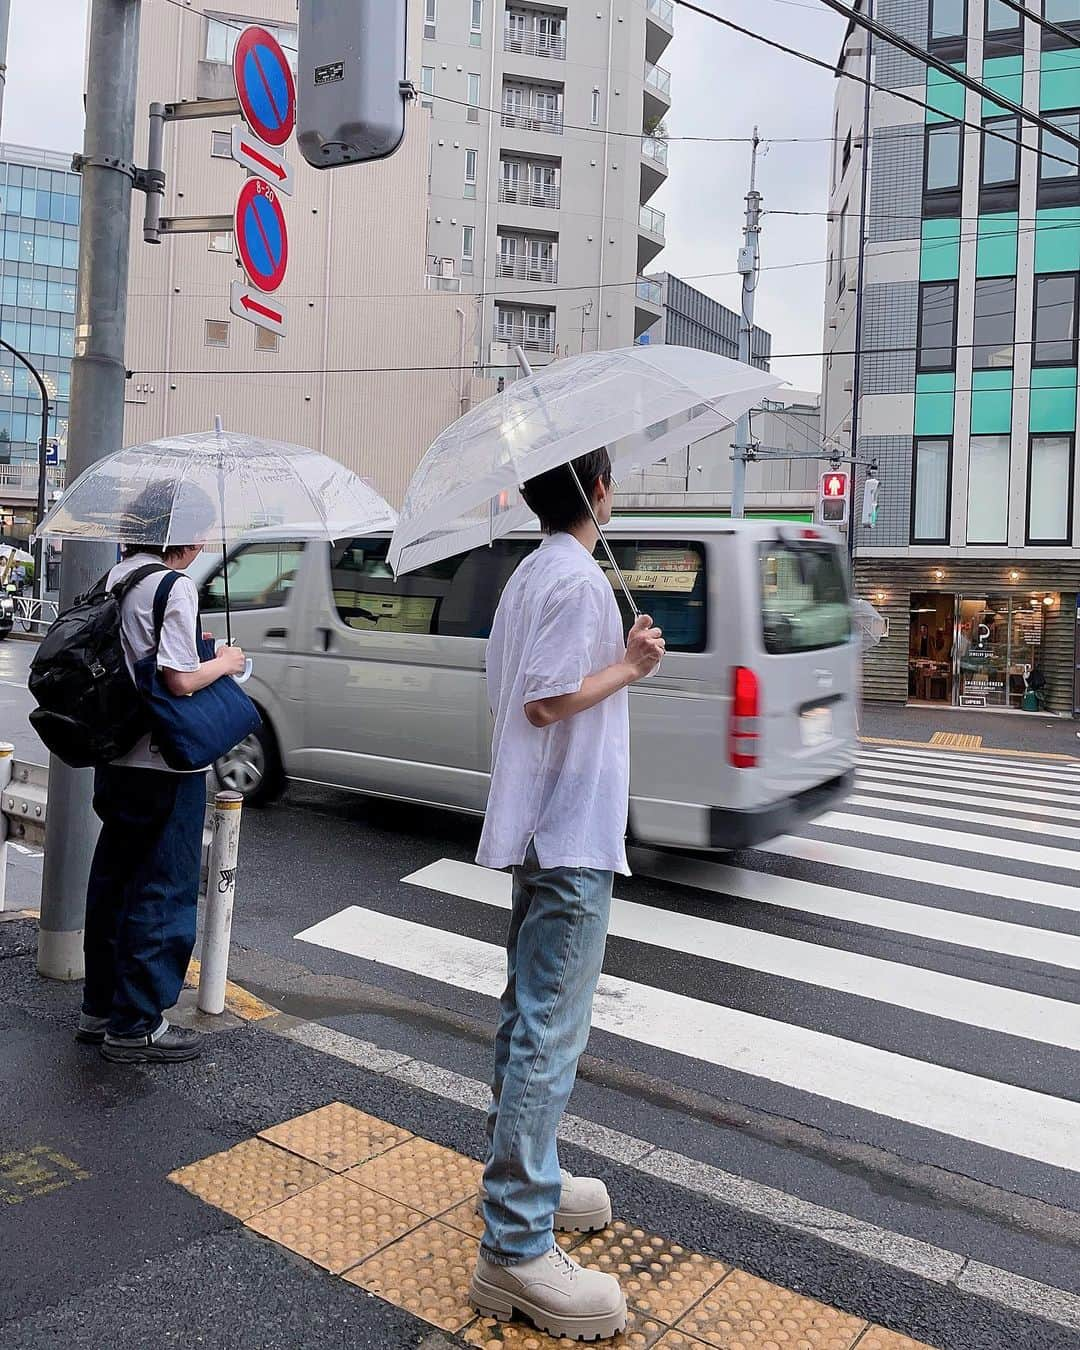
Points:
x=270 y=1196
x=1028 y=733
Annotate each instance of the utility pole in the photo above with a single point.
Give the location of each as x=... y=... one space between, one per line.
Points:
x=5 y=24
x=96 y=428
x=749 y=263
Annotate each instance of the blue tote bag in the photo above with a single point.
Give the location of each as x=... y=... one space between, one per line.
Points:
x=193 y=730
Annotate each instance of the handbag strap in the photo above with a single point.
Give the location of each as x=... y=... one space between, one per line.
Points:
x=161 y=600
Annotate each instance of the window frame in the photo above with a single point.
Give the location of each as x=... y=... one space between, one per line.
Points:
x=476 y=20
x=595 y=107
x=431 y=18
x=947 y=44
x=989 y=543
x=468 y=232
x=943 y=201
x=920 y=366
x=1054 y=41
x=206 y=333
x=472 y=105
x=226 y=138
x=1004 y=195
x=1040 y=364
x=976 y=346
x=1030 y=540
x=1058 y=189
x=1002 y=41
x=238 y=605
x=916 y=442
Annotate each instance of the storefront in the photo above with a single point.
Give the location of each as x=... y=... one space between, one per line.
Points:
x=974 y=634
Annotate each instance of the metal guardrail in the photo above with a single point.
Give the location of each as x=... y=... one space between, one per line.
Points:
x=663 y=9
x=532 y=118
x=22 y=479
x=529 y=194
x=650 y=291
x=35 y=615
x=652 y=221
x=524 y=268
x=24 y=804
x=658 y=79
x=533 y=43
x=652 y=147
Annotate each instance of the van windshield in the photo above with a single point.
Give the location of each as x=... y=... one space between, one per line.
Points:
x=804 y=597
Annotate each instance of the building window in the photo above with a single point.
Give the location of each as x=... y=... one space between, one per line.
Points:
x=216 y=333
x=265 y=341
x=842 y=255
x=948 y=19
x=220 y=145
x=836 y=149
x=476 y=23
x=220 y=241
x=1059 y=162
x=427 y=86
x=470 y=174
x=1001 y=18
x=468 y=247
x=937 y=326
x=1062 y=11
x=473 y=111
x=1055 y=320
x=995 y=323
x=222 y=35
x=594 y=111
x=845 y=158
x=943 y=181
x=1050 y=490
x=429 y=18
x=1001 y=153
x=930 y=493
x=988 y=490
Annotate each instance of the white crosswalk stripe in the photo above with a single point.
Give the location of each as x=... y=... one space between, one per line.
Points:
x=959 y=934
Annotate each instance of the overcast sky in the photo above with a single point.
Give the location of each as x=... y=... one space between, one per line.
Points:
x=722 y=84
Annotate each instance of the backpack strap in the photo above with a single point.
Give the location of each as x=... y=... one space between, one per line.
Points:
x=161 y=600
x=132 y=579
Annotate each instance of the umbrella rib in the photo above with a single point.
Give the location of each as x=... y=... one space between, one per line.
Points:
x=320 y=512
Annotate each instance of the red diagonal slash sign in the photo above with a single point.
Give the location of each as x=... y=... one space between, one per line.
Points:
x=260 y=159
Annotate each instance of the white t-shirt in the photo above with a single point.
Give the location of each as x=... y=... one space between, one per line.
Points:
x=565 y=787
x=177 y=650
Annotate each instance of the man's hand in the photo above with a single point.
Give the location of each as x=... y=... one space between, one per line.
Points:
x=644 y=649
x=232 y=660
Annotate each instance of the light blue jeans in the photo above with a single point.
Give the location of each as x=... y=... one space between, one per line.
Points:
x=555 y=950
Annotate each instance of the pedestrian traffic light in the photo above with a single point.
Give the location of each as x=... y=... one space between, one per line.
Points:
x=870 y=502
x=351 y=79
x=834 y=497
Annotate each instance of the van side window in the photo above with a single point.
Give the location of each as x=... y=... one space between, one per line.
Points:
x=453 y=598
x=805 y=605
x=260 y=577
x=667 y=578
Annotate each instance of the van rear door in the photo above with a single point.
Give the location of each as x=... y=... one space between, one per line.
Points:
x=807 y=674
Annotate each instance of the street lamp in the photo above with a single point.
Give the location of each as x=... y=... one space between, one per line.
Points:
x=43 y=450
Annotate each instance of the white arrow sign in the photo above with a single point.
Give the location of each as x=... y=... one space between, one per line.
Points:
x=261 y=159
x=257 y=308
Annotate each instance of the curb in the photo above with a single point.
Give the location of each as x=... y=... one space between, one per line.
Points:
x=981 y=750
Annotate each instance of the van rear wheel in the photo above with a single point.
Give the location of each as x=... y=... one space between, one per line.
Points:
x=253 y=768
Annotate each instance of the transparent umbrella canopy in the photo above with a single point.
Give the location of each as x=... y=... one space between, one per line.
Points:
x=642 y=403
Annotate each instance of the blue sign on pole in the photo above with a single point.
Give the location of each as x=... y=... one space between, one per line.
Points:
x=52 y=454
x=265 y=86
x=261 y=236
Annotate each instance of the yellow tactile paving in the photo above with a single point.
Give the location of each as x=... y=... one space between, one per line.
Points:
x=427 y=1273
x=336 y=1136
x=642 y=1333
x=956 y=740
x=336 y=1224
x=402 y=1225
x=422 y=1174
x=248 y=1178
x=745 y=1313
x=657 y=1276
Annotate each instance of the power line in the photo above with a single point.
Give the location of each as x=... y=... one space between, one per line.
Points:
x=897 y=40
x=872 y=84
x=1047 y=24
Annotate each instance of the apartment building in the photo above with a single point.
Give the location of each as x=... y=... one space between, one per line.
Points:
x=39 y=205
x=951 y=340
x=377 y=359
x=546 y=151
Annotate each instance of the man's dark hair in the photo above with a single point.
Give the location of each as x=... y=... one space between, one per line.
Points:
x=157 y=508
x=554 y=496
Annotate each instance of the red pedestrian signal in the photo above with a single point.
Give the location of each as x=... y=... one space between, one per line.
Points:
x=834 y=497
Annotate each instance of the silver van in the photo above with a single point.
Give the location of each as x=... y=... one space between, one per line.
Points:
x=377 y=685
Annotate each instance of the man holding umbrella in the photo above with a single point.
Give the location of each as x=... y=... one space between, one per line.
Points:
x=558 y=672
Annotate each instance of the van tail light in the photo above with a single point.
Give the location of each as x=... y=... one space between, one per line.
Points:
x=745 y=710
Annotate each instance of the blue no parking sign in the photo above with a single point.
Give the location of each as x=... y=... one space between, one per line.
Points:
x=261 y=236
x=265 y=86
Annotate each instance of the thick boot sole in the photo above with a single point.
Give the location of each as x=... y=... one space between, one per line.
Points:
x=490 y=1301
x=147 y=1054
x=591 y=1221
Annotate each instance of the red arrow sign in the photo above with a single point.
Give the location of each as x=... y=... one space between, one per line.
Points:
x=260 y=159
x=257 y=309
x=264 y=161
x=260 y=308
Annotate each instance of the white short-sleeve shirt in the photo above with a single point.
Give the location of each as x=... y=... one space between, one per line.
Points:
x=565 y=787
x=177 y=649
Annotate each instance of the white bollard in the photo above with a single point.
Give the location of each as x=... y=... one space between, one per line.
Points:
x=7 y=763
x=220 y=892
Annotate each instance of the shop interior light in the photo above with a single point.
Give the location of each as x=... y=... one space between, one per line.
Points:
x=939 y=575
x=1014 y=576
x=1048 y=601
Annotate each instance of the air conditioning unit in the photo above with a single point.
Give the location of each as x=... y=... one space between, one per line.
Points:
x=849 y=386
x=846 y=428
x=832 y=325
x=446 y=267
x=500 y=354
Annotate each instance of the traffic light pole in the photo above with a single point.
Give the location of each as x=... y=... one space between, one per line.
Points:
x=749 y=264
x=96 y=428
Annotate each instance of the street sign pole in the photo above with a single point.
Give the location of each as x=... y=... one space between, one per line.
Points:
x=96 y=427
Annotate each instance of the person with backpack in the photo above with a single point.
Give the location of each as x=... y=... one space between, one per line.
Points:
x=144 y=880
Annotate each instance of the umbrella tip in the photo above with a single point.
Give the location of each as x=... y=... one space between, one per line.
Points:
x=219 y=426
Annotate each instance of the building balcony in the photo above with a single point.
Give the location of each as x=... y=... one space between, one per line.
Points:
x=527 y=337
x=520 y=268
x=547 y=195
x=651 y=235
x=654 y=165
x=20 y=481
x=550 y=46
x=648 y=305
x=657 y=93
x=659 y=28
x=526 y=118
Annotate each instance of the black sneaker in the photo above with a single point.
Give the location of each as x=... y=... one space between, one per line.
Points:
x=174 y=1044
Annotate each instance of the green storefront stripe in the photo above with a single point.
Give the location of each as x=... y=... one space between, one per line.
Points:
x=1057 y=239
x=1060 y=84
x=945 y=96
x=940 y=259
x=1053 y=399
x=996 y=256
x=991 y=402
x=1005 y=76
x=934 y=400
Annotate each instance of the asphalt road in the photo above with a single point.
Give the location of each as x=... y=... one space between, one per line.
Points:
x=879 y=1017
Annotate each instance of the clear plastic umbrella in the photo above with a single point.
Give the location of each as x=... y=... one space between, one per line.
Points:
x=643 y=403
x=213 y=487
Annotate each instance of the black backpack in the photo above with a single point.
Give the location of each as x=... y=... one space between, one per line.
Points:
x=89 y=711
